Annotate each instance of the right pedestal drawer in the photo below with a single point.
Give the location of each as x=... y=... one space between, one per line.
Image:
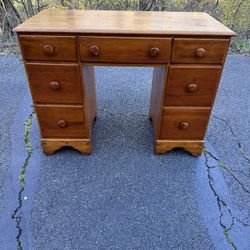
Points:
x=192 y=85
x=184 y=123
x=188 y=50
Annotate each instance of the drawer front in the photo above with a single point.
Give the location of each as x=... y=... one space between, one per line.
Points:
x=192 y=85
x=61 y=121
x=199 y=50
x=184 y=123
x=125 y=50
x=55 y=83
x=49 y=48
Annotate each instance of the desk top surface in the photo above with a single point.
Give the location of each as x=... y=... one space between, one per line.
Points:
x=124 y=22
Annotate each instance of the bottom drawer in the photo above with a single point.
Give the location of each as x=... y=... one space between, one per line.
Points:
x=184 y=123
x=61 y=121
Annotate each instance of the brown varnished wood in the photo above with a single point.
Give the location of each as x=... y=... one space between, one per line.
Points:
x=124 y=50
x=157 y=93
x=55 y=83
x=64 y=47
x=50 y=115
x=90 y=95
x=185 y=50
x=124 y=22
x=139 y=64
x=197 y=119
x=194 y=147
x=72 y=33
x=51 y=145
x=192 y=85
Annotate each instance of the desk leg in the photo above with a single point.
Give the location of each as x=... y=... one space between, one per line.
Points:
x=194 y=147
x=51 y=145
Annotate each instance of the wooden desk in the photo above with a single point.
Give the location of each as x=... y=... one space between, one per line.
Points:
x=60 y=49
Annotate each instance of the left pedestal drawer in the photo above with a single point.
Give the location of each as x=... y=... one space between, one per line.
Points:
x=61 y=121
x=55 y=83
x=48 y=48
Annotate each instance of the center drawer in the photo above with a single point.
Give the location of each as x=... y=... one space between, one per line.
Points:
x=125 y=50
x=61 y=121
x=55 y=83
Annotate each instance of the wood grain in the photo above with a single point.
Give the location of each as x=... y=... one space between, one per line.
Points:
x=64 y=48
x=49 y=116
x=90 y=96
x=193 y=147
x=124 y=22
x=197 y=119
x=125 y=50
x=187 y=51
x=206 y=78
x=51 y=145
x=41 y=75
x=184 y=50
x=156 y=99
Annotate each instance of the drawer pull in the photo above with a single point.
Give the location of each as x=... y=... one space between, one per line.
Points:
x=55 y=85
x=48 y=49
x=94 y=50
x=191 y=87
x=200 y=52
x=62 y=124
x=183 y=125
x=154 y=51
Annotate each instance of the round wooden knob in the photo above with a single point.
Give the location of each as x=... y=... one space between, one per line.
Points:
x=48 y=49
x=200 y=52
x=183 y=125
x=94 y=50
x=191 y=87
x=62 y=124
x=55 y=85
x=154 y=51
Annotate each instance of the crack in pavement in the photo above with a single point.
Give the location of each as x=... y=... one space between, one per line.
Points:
x=235 y=137
x=15 y=214
x=228 y=170
x=222 y=205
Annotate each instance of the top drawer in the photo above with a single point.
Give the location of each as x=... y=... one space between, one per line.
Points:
x=125 y=50
x=49 y=48
x=199 y=50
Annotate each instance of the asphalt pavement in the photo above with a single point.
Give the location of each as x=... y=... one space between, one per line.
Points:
x=123 y=196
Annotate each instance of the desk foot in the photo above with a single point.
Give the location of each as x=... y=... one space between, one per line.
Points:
x=193 y=147
x=51 y=145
